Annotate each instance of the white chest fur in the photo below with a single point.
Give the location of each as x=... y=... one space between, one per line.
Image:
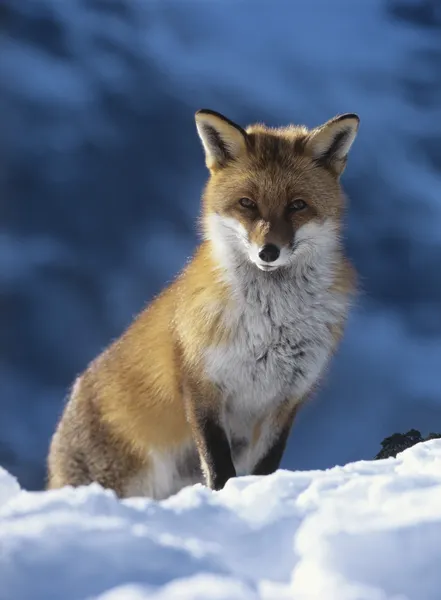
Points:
x=281 y=338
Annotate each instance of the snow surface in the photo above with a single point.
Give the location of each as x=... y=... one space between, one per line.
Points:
x=366 y=531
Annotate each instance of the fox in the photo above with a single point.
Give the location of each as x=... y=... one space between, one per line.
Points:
x=205 y=383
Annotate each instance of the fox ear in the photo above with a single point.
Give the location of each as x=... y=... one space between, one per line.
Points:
x=222 y=139
x=330 y=143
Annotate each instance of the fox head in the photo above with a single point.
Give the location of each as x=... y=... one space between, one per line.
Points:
x=273 y=194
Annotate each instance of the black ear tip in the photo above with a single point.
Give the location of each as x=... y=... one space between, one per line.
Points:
x=345 y=116
x=217 y=117
x=207 y=111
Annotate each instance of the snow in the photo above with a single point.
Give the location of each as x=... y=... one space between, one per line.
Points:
x=370 y=530
x=8 y=487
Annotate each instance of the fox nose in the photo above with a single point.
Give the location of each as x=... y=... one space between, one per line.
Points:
x=269 y=253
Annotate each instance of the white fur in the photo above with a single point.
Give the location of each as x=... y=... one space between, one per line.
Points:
x=228 y=237
x=276 y=314
x=165 y=473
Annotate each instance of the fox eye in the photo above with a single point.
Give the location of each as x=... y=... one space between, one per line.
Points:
x=248 y=203
x=296 y=205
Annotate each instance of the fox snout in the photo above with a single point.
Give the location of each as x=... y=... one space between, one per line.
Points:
x=270 y=244
x=269 y=256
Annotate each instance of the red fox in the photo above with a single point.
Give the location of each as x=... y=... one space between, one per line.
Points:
x=205 y=383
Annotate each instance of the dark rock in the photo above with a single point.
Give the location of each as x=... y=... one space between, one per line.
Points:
x=398 y=442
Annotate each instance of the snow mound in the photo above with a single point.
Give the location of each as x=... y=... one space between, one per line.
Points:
x=8 y=486
x=367 y=531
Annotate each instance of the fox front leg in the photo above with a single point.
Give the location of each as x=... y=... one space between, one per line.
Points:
x=210 y=437
x=282 y=424
x=215 y=453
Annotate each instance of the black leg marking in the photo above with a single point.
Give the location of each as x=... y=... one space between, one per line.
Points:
x=216 y=453
x=271 y=460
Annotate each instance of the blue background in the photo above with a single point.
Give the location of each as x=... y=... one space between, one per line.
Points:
x=101 y=172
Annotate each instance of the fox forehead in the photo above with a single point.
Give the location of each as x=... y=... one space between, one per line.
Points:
x=275 y=170
x=276 y=146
